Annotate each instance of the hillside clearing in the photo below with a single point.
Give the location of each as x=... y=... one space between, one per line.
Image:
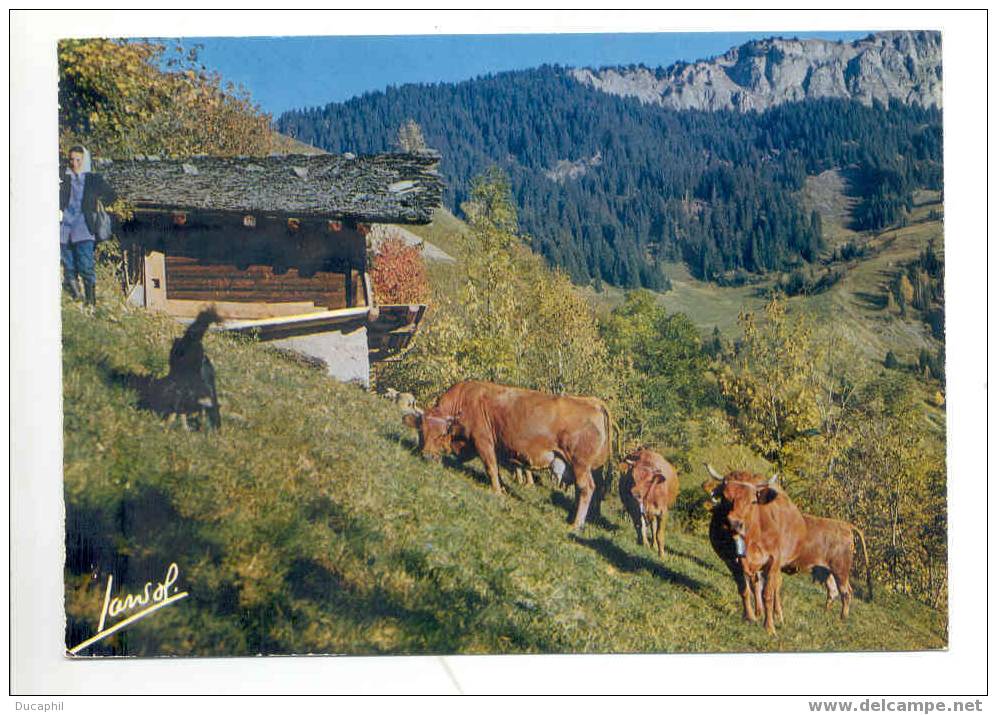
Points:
x=852 y=304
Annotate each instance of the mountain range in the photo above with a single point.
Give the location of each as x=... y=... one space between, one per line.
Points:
x=906 y=66
x=615 y=170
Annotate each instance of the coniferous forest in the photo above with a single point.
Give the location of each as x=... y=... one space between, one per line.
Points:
x=608 y=187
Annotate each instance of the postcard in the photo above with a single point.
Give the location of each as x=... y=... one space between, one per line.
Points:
x=593 y=343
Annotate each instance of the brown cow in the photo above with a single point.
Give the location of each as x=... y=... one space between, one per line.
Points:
x=825 y=550
x=722 y=539
x=827 y=554
x=768 y=532
x=829 y=547
x=649 y=486
x=524 y=428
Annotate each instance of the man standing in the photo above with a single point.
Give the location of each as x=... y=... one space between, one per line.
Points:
x=79 y=190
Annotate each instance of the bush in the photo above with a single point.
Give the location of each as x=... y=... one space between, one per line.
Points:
x=803 y=282
x=399 y=273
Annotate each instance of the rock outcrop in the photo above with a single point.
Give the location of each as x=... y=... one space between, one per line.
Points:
x=760 y=74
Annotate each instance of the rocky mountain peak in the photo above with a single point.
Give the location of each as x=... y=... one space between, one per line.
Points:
x=903 y=65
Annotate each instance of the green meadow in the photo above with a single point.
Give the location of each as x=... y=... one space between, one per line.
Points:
x=308 y=524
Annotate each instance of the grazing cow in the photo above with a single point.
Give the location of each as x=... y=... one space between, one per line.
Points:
x=524 y=428
x=825 y=550
x=649 y=486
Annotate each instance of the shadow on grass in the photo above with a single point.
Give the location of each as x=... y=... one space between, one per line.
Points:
x=715 y=565
x=446 y=620
x=132 y=542
x=595 y=516
x=168 y=396
x=630 y=563
x=875 y=301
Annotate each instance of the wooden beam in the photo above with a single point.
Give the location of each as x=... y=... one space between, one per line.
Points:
x=373 y=313
x=350 y=298
x=154 y=281
x=240 y=311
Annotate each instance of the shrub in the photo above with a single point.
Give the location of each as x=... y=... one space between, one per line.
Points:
x=399 y=273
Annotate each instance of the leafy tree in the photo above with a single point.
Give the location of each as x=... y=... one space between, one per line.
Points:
x=511 y=320
x=121 y=98
x=891 y=481
x=768 y=383
x=665 y=364
x=905 y=294
x=563 y=352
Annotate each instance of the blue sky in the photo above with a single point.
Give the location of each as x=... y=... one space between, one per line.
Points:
x=283 y=73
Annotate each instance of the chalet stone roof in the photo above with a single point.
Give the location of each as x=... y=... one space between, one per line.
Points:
x=381 y=188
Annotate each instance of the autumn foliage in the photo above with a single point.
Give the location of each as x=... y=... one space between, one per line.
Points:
x=399 y=273
x=122 y=98
x=510 y=319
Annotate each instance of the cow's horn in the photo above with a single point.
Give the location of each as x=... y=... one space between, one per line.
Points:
x=773 y=479
x=412 y=418
x=712 y=471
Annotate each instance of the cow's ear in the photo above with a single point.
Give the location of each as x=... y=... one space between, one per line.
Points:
x=454 y=426
x=413 y=419
x=764 y=495
x=710 y=486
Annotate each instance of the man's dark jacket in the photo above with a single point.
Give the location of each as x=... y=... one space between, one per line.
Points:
x=94 y=187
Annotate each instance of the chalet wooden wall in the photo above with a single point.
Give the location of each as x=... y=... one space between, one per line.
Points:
x=259 y=271
x=188 y=278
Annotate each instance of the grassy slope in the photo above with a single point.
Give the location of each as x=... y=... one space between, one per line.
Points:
x=446 y=231
x=852 y=304
x=308 y=525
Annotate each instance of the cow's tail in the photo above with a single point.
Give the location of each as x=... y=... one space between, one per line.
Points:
x=608 y=469
x=865 y=553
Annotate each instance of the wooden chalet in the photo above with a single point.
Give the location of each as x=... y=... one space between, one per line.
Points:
x=277 y=244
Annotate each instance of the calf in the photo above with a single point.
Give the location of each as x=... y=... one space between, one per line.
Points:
x=649 y=486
